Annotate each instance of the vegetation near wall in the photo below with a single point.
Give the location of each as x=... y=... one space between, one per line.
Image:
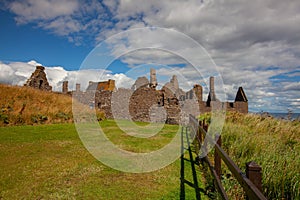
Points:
x=272 y=143
x=22 y=105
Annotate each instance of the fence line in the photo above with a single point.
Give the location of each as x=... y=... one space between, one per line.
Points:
x=251 y=181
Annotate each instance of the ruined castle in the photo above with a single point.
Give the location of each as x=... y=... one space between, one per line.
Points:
x=143 y=101
x=38 y=80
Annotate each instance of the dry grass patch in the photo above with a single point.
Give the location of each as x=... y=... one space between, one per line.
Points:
x=23 y=105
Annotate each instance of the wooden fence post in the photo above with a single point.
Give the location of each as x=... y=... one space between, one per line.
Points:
x=200 y=133
x=253 y=173
x=217 y=157
x=205 y=127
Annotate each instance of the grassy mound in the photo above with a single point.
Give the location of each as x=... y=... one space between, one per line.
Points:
x=272 y=143
x=22 y=105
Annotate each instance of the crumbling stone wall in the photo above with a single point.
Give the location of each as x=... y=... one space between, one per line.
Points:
x=38 y=80
x=120 y=103
x=173 y=110
x=103 y=102
x=140 y=82
x=96 y=100
x=65 y=87
x=141 y=102
x=148 y=104
x=170 y=104
x=212 y=103
x=104 y=85
x=172 y=87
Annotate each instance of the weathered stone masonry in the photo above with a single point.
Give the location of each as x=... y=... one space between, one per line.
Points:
x=38 y=80
x=143 y=102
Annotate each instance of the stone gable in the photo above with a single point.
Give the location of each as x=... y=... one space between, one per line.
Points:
x=38 y=80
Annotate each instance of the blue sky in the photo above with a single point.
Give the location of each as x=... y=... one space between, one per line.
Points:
x=252 y=44
x=27 y=42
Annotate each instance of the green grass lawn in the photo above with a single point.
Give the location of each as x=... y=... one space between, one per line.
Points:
x=50 y=162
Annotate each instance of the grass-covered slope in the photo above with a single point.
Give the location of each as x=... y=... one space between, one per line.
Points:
x=273 y=144
x=23 y=105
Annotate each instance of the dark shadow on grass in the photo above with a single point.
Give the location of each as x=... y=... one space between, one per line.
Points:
x=193 y=163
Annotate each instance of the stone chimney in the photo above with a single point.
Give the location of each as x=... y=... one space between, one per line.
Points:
x=153 y=81
x=212 y=89
x=174 y=83
x=77 y=87
x=65 y=87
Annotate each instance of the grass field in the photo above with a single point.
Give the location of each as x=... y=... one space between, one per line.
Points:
x=50 y=162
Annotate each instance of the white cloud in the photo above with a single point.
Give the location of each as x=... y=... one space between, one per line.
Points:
x=292 y=86
x=30 y=10
x=17 y=73
x=245 y=38
x=69 y=18
x=6 y=73
x=261 y=92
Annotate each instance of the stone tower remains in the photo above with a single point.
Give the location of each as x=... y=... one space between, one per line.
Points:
x=153 y=81
x=77 y=87
x=65 y=87
x=197 y=89
x=38 y=80
x=212 y=93
x=174 y=82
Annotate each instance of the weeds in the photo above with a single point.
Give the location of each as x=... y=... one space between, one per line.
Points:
x=272 y=143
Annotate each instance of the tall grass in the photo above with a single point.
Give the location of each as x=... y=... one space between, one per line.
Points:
x=22 y=105
x=272 y=143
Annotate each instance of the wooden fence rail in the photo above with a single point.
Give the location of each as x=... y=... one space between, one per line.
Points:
x=250 y=181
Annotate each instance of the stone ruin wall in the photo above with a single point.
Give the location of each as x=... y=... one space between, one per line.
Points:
x=143 y=102
x=147 y=104
x=38 y=80
x=170 y=104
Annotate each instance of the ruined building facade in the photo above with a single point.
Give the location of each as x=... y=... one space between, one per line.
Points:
x=102 y=86
x=240 y=103
x=38 y=80
x=143 y=102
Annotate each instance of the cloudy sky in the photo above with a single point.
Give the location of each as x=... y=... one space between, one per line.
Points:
x=254 y=44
